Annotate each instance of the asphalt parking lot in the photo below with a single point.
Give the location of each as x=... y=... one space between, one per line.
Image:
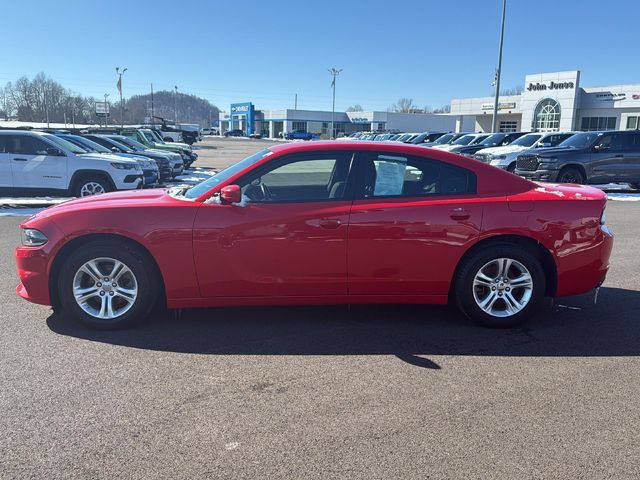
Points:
x=371 y=392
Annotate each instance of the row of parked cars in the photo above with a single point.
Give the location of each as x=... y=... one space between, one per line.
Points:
x=563 y=157
x=87 y=162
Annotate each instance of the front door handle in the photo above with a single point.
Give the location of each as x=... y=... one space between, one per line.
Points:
x=459 y=214
x=330 y=223
x=19 y=159
x=619 y=156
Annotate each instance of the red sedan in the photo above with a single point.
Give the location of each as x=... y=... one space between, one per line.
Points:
x=322 y=223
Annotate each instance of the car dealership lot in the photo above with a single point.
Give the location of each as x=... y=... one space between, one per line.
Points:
x=374 y=392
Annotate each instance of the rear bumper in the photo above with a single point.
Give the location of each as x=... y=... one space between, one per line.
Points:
x=586 y=269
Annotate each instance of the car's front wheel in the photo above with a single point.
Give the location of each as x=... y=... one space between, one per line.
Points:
x=107 y=285
x=500 y=285
x=571 y=175
x=91 y=185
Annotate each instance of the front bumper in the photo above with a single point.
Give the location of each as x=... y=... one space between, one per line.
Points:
x=538 y=175
x=150 y=177
x=32 y=265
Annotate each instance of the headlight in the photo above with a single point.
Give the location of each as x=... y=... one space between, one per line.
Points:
x=33 y=238
x=499 y=157
x=124 y=166
x=547 y=161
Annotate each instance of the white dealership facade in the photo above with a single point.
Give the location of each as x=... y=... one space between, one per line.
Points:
x=553 y=102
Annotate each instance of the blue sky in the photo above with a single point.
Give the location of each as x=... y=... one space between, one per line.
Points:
x=267 y=51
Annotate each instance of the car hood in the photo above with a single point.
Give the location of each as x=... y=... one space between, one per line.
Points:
x=122 y=199
x=503 y=150
x=551 y=151
x=111 y=157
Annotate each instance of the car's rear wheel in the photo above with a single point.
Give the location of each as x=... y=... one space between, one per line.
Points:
x=107 y=285
x=500 y=285
x=571 y=175
x=91 y=185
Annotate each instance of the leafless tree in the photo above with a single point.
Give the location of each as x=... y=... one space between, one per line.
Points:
x=355 y=108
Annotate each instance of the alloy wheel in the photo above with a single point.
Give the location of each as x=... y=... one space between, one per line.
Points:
x=91 y=188
x=105 y=288
x=502 y=287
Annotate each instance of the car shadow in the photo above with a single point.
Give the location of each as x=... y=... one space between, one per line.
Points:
x=572 y=327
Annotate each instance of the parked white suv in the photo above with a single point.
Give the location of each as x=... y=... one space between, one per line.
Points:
x=505 y=157
x=36 y=162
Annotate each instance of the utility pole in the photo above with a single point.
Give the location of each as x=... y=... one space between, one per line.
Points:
x=119 y=73
x=295 y=102
x=46 y=108
x=106 y=108
x=334 y=72
x=153 y=115
x=494 y=120
x=175 y=105
x=209 y=119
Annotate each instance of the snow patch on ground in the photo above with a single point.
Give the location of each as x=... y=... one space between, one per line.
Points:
x=11 y=201
x=624 y=197
x=19 y=212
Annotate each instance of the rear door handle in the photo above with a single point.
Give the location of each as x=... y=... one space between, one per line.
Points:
x=330 y=223
x=459 y=214
x=19 y=159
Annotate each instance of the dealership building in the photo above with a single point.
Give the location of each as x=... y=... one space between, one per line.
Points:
x=553 y=102
x=549 y=102
x=275 y=123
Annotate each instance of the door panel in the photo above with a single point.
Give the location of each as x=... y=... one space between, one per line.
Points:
x=632 y=157
x=607 y=165
x=31 y=167
x=6 y=180
x=408 y=246
x=294 y=249
x=412 y=221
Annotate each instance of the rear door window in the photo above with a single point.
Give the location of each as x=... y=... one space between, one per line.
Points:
x=389 y=175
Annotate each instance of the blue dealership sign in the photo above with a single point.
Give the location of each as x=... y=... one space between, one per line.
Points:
x=245 y=109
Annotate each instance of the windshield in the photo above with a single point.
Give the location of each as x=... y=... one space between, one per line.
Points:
x=228 y=172
x=527 y=140
x=67 y=145
x=464 y=140
x=444 y=139
x=119 y=145
x=134 y=144
x=478 y=140
x=156 y=136
x=580 y=140
x=493 y=140
x=86 y=143
x=149 y=136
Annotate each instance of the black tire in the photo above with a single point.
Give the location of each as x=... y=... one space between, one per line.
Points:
x=635 y=186
x=571 y=175
x=512 y=167
x=85 y=181
x=135 y=259
x=464 y=284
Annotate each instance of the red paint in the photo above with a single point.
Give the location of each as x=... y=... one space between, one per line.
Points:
x=375 y=250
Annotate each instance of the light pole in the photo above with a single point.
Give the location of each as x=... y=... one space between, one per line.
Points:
x=106 y=108
x=334 y=72
x=175 y=104
x=120 y=73
x=494 y=120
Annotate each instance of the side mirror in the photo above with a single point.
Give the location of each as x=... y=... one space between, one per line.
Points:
x=114 y=149
x=55 y=152
x=231 y=194
x=601 y=148
x=544 y=145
